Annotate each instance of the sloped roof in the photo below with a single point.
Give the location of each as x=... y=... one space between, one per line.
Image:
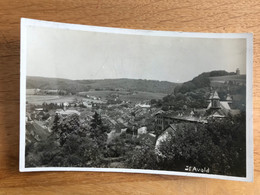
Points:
x=158 y=112
x=211 y=95
x=224 y=105
x=166 y=135
x=215 y=95
x=173 y=126
x=229 y=98
x=217 y=113
x=185 y=115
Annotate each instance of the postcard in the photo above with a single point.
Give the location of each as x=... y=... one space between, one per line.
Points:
x=135 y=101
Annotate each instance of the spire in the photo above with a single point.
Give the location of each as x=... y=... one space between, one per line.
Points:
x=215 y=96
x=229 y=99
x=215 y=103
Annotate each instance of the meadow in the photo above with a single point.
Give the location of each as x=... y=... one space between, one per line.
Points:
x=137 y=96
x=39 y=99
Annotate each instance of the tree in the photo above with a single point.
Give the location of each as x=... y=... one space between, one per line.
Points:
x=219 y=145
x=189 y=145
x=56 y=124
x=69 y=125
x=153 y=101
x=229 y=137
x=116 y=148
x=96 y=121
x=98 y=132
x=142 y=156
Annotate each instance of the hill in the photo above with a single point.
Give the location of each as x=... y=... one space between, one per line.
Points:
x=194 y=93
x=203 y=80
x=228 y=78
x=75 y=86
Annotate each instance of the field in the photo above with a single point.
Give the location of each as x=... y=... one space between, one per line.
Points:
x=39 y=99
x=222 y=79
x=138 y=96
x=124 y=95
x=142 y=96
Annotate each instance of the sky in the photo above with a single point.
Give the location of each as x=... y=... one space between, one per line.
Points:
x=76 y=55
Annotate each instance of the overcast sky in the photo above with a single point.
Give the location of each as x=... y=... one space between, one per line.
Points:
x=77 y=55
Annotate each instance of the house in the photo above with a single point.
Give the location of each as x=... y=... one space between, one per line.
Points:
x=66 y=104
x=216 y=109
x=67 y=112
x=158 y=111
x=87 y=104
x=38 y=109
x=142 y=130
x=143 y=105
x=165 y=136
x=162 y=120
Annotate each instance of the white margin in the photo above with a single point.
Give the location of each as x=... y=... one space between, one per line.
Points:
x=249 y=94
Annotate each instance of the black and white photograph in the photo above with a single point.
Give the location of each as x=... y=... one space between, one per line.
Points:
x=139 y=101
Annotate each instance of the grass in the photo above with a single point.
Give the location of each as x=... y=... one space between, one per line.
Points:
x=124 y=95
x=143 y=96
x=238 y=78
x=39 y=99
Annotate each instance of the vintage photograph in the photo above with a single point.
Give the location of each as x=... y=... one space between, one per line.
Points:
x=134 y=100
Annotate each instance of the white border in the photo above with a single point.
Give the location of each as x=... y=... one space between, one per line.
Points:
x=249 y=103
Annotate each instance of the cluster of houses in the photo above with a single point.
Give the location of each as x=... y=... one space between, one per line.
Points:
x=134 y=118
x=217 y=109
x=118 y=117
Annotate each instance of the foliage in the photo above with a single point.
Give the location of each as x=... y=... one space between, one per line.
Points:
x=143 y=156
x=192 y=94
x=219 y=145
x=229 y=137
x=70 y=144
x=98 y=131
x=181 y=101
x=56 y=124
x=51 y=106
x=190 y=145
x=116 y=148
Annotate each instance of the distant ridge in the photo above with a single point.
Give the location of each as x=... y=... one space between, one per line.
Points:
x=75 y=86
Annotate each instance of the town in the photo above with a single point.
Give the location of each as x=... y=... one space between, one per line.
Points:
x=136 y=123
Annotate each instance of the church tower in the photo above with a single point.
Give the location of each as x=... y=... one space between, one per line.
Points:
x=215 y=101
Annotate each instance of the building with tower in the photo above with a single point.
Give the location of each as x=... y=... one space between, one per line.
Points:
x=218 y=108
x=237 y=71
